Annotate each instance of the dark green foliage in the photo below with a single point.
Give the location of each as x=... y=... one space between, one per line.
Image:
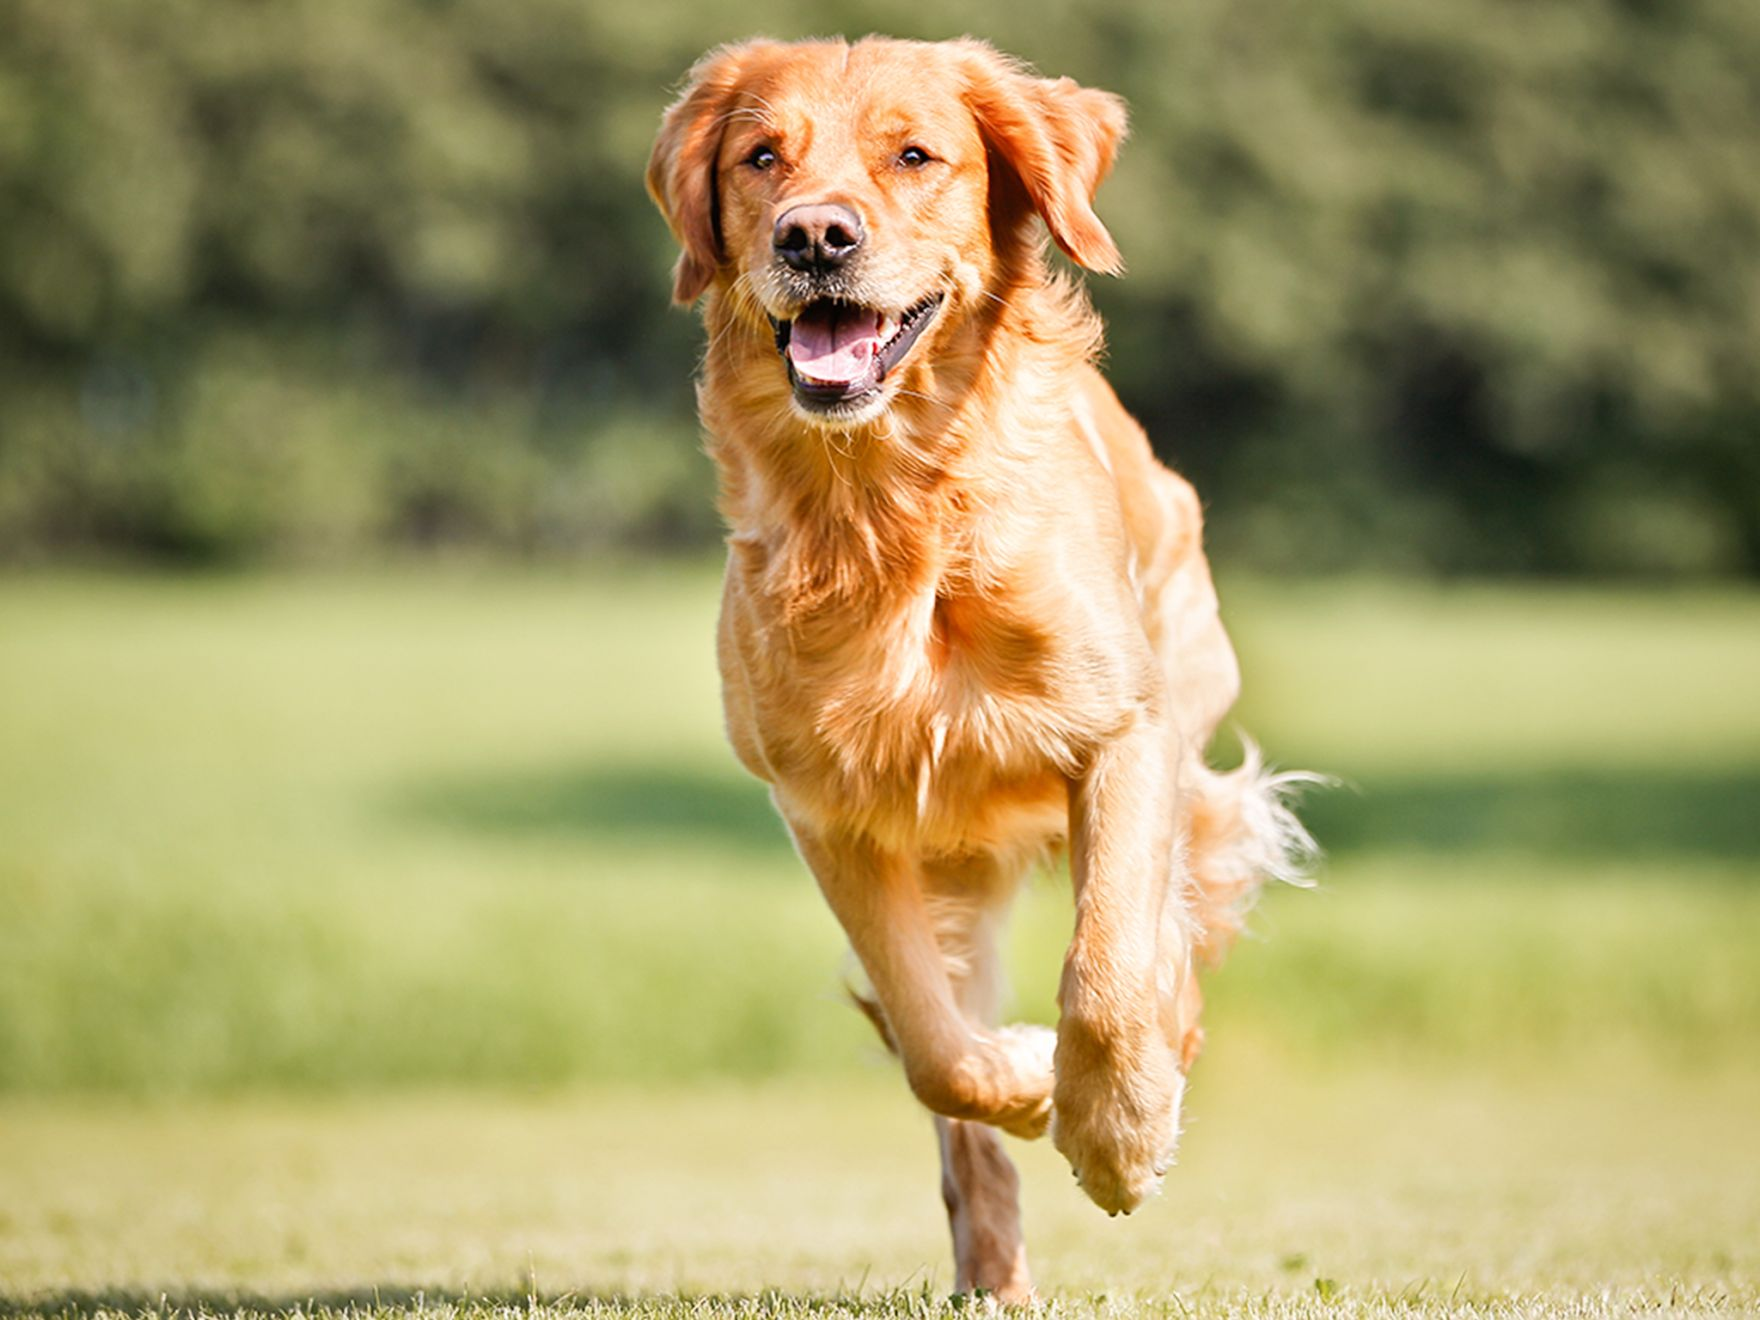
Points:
x=1449 y=285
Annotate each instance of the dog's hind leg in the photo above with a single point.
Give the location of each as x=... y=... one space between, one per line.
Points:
x=982 y=1193
x=968 y=900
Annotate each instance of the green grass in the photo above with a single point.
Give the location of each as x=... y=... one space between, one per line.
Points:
x=1385 y=1190
x=409 y=945
x=364 y=831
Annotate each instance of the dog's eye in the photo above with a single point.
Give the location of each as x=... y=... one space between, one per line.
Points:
x=913 y=158
x=761 y=159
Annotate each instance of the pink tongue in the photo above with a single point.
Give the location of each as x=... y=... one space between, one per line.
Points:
x=834 y=344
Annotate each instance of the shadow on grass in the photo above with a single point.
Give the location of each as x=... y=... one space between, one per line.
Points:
x=660 y=804
x=1565 y=813
x=1568 y=814
x=81 y=1304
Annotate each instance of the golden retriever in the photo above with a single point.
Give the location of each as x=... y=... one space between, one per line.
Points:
x=967 y=616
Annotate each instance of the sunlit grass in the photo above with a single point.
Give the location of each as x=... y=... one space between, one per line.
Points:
x=386 y=829
x=1299 y=1191
x=406 y=946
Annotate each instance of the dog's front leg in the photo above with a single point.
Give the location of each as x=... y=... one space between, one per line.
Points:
x=956 y=1067
x=1118 y=1081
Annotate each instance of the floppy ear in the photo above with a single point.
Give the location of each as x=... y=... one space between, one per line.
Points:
x=681 y=170
x=1060 y=140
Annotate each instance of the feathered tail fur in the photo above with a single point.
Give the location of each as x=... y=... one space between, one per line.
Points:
x=1240 y=830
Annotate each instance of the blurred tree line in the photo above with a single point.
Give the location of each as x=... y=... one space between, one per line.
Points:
x=1460 y=285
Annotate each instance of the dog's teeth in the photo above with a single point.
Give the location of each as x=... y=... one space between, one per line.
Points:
x=888 y=328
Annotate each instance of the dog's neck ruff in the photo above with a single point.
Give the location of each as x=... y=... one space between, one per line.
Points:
x=841 y=510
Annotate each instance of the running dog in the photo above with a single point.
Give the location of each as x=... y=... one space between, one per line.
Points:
x=967 y=616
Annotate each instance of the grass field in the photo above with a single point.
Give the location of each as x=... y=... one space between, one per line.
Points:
x=410 y=943
x=1382 y=1189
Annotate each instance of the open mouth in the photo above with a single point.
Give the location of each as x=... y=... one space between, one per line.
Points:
x=838 y=352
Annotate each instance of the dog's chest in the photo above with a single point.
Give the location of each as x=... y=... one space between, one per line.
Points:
x=942 y=721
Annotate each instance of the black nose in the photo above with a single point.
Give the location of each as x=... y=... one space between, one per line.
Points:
x=818 y=238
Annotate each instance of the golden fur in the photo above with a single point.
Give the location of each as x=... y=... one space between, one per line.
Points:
x=969 y=619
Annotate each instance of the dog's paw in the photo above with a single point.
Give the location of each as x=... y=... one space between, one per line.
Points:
x=1116 y=1118
x=1033 y=1052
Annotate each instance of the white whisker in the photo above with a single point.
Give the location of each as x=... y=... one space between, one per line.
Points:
x=926 y=398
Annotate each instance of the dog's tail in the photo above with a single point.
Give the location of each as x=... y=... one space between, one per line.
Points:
x=1241 y=830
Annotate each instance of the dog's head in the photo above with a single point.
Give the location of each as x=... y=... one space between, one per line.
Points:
x=860 y=201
